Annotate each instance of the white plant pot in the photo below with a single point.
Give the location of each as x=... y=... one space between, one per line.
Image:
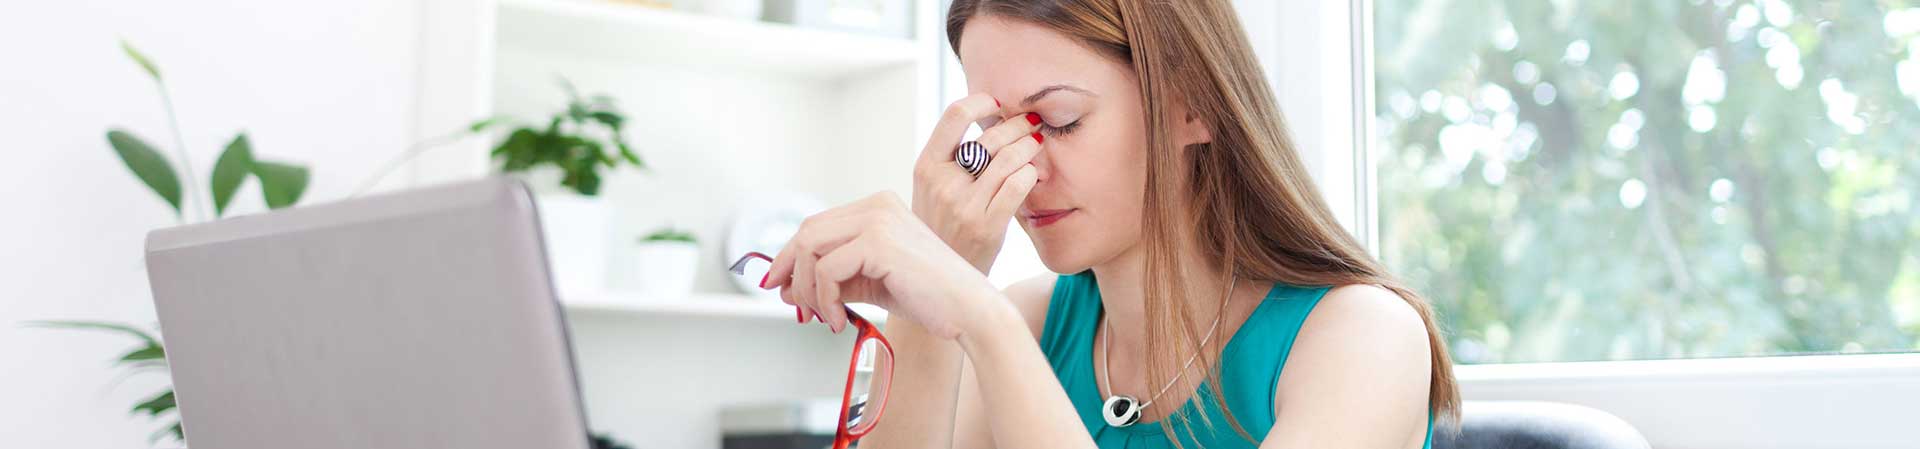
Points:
x=664 y=270
x=577 y=231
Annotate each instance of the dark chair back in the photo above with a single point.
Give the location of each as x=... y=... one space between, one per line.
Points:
x=1536 y=425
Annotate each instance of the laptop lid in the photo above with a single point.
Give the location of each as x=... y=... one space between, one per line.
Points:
x=421 y=319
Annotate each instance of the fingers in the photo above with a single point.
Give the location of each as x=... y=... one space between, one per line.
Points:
x=1001 y=135
x=1012 y=193
x=781 y=271
x=827 y=295
x=802 y=287
x=953 y=126
x=793 y=270
x=827 y=302
x=1010 y=160
x=818 y=234
x=837 y=267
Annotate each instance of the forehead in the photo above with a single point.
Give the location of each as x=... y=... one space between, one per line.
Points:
x=1010 y=59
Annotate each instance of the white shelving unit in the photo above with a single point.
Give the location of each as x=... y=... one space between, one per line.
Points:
x=726 y=112
x=622 y=32
x=697 y=306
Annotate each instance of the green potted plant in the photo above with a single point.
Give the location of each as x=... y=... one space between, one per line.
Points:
x=562 y=159
x=664 y=263
x=281 y=185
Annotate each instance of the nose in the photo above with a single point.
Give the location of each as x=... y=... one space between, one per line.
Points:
x=1043 y=163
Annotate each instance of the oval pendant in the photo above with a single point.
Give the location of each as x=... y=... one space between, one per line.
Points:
x=1121 y=411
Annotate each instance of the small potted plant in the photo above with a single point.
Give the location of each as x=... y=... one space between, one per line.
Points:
x=563 y=159
x=665 y=262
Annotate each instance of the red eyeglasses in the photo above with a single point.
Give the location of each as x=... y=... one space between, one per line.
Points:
x=870 y=371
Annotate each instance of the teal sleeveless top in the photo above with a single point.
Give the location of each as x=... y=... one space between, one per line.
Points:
x=1249 y=371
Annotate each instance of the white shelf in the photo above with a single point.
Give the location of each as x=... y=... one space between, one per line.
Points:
x=620 y=32
x=697 y=305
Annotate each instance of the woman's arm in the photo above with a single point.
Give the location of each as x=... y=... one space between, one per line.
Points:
x=921 y=403
x=1025 y=406
x=970 y=215
x=1356 y=376
x=876 y=251
x=971 y=431
x=924 y=410
x=925 y=407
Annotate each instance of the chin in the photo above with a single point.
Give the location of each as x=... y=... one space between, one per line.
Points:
x=1059 y=255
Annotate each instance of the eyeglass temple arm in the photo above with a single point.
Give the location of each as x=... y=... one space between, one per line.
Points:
x=740 y=266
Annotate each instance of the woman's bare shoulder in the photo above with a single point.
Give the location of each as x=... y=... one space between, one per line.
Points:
x=1369 y=309
x=1031 y=297
x=1358 y=329
x=1358 y=374
x=1365 y=317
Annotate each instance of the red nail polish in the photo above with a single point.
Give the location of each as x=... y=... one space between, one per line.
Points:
x=1037 y=138
x=763 y=280
x=1033 y=119
x=797 y=317
x=996 y=102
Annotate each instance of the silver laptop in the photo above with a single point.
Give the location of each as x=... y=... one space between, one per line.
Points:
x=423 y=319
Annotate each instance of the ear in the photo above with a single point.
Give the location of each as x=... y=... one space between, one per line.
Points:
x=1188 y=128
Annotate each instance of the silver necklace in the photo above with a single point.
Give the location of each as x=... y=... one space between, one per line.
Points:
x=1122 y=410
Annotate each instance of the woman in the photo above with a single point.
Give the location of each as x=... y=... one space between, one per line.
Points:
x=1216 y=302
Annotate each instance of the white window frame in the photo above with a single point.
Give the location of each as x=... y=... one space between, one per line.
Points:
x=1318 y=59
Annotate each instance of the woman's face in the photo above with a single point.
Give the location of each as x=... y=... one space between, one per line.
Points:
x=1085 y=208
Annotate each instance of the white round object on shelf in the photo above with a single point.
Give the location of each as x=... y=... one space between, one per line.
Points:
x=764 y=224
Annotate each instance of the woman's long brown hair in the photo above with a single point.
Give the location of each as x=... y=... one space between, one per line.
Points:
x=1250 y=203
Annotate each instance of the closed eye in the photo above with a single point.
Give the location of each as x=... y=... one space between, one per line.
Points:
x=1051 y=131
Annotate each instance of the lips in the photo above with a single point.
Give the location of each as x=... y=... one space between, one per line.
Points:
x=1043 y=217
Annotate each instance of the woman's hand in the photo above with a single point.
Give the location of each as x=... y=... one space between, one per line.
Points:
x=970 y=214
x=876 y=251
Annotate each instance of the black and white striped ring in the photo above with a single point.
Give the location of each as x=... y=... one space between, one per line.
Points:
x=972 y=156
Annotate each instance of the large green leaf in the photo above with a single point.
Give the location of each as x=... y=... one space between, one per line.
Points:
x=231 y=170
x=138 y=58
x=147 y=164
x=281 y=184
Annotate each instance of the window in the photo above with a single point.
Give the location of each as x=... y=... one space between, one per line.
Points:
x=1611 y=180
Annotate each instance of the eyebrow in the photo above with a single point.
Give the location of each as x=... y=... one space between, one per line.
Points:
x=1044 y=91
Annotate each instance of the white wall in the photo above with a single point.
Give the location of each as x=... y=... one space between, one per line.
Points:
x=328 y=84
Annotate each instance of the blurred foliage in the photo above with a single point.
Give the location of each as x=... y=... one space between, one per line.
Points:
x=281 y=185
x=670 y=234
x=589 y=135
x=1642 y=179
x=150 y=356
